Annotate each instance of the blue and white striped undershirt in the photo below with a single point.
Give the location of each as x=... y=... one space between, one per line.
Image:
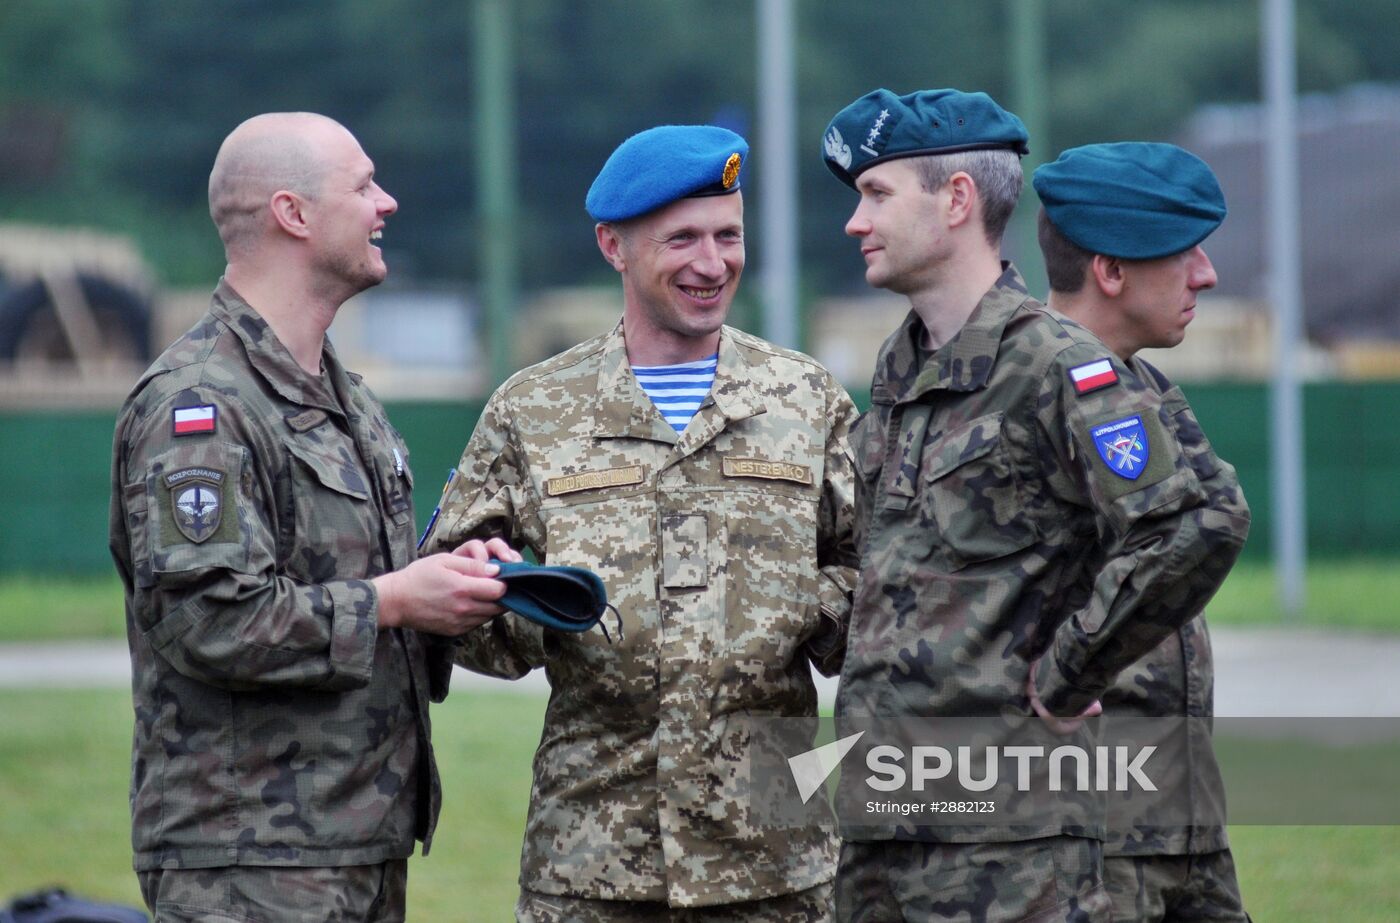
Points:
x=677 y=390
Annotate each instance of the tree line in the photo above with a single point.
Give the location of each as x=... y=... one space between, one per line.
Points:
x=111 y=110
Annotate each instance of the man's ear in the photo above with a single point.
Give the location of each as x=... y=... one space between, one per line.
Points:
x=1107 y=274
x=962 y=198
x=610 y=243
x=288 y=210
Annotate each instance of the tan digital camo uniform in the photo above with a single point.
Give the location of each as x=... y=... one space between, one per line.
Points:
x=810 y=906
x=728 y=552
x=1176 y=679
x=275 y=725
x=988 y=518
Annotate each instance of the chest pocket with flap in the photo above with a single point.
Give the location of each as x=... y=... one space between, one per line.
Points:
x=331 y=529
x=969 y=495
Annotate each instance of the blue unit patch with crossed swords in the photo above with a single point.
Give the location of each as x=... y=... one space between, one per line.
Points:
x=1122 y=445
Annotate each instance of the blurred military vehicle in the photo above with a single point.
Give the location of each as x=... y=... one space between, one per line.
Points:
x=80 y=316
x=74 y=296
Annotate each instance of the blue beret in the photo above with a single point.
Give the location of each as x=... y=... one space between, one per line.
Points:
x=660 y=165
x=1134 y=200
x=881 y=126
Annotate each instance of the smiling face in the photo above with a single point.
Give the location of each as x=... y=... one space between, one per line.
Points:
x=347 y=214
x=1159 y=297
x=901 y=227
x=680 y=269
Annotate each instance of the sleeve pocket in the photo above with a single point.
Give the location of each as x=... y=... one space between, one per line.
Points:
x=196 y=510
x=134 y=506
x=1194 y=444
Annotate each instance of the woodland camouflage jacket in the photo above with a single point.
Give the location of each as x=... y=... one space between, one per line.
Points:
x=1021 y=495
x=252 y=503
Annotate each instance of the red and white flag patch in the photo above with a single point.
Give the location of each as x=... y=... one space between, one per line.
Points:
x=190 y=420
x=1091 y=376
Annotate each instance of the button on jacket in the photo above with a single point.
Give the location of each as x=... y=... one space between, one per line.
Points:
x=999 y=523
x=728 y=552
x=275 y=724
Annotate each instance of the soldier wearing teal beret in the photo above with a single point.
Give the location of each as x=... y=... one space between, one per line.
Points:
x=1027 y=520
x=1134 y=200
x=1123 y=216
x=1121 y=230
x=881 y=126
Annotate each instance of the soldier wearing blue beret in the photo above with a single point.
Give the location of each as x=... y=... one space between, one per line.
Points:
x=704 y=475
x=661 y=165
x=1027 y=520
x=1121 y=228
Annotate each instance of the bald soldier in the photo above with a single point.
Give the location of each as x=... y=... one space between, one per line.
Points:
x=1029 y=524
x=703 y=473
x=284 y=641
x=1121 y=230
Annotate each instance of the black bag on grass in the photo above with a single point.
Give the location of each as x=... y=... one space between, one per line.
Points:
x=54 y=905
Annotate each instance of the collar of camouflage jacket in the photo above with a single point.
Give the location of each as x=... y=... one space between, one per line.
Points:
x=622 y=408
x=964 y=363
x=271 y=359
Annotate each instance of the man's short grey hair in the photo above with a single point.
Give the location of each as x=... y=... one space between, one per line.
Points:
x=996 y=172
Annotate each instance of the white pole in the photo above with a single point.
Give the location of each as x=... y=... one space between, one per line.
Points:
x=1285 y=294
x=778 y=168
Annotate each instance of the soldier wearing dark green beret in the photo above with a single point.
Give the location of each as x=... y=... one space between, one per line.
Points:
x=1027 y=521
x=1121 y=228
x=703 y=473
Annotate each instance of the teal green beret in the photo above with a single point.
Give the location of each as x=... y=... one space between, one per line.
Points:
x=566 y=598
x=881 y=126
x=1134 y=200
x=660 y=165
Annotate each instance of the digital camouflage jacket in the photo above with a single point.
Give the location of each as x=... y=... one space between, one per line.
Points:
x=1020 y=495
x=728 y=552
x=252 y=503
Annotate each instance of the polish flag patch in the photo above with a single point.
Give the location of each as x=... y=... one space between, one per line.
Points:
x=1091 y=376
x=190 y=420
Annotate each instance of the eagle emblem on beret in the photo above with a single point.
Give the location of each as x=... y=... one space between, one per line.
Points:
x=731 y=170
x=837 y=149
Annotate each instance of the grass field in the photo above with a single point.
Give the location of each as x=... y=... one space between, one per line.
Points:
x=63 y=817
x=64 y=762
x=64 y=765
x=60 y=609
x=1349 y=594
